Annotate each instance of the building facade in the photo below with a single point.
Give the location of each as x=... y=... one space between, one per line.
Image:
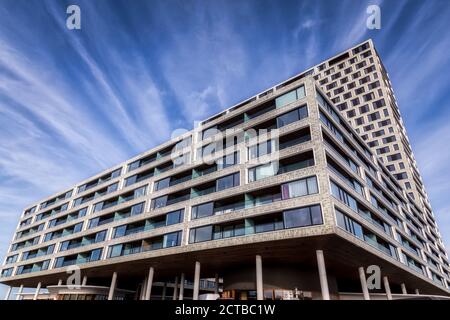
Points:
x=291 y=194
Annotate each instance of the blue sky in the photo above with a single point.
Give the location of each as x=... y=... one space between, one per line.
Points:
x=73 y=103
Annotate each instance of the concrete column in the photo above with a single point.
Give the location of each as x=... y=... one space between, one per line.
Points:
x=148 y=288
x=417 y=292
x=322 y=275
x=60 y=282
x=181 y=287
x=144 y=284
x=175 y=289
x=112 y=287
x=8 y=293
x=362 y=278
x=387 y=288
x=83 y=283
x=404 y=291
x=259 y=279
x=19 y=293
x=216 y=288
x=38 y=288
x=138 y=292
x=196 y=281
x=164 y=289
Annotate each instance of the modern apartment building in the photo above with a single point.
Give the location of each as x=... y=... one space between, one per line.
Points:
x=291 y=194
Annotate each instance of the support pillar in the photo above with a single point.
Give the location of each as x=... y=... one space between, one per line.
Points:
x=148 y=289
x=259 y=279
x=404 y=291
x=216 y=288
x=181 y=296
x=322 y=275
x=164 y=289
x=8 y=293
x=112 y=287
x=59 y=282
x=362 y=278
x=196 y=281
x=144 y=285
x=36 y=294
x=417 y=292
x=175 y=289
x=387 y=288
x=19 y=293
x=83 y=283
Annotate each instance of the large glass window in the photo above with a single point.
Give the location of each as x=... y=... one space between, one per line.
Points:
x=78 y=227
x=342 y=195
x=137 y=209
x=228 y=160
x=227 y=182
x=203 y=210
x=292 y=116
x=159 y=202
x=139 y=192
x=115 y=251
x=100 y=236
x=172 y=239
x=290 y=97
x=299 y=188
x=161 y=184
x=120 y=231
x=263 y=171
x=200 y=234
x=349 y=225
x=302 y=217
x=174 y=217
x=95 y=255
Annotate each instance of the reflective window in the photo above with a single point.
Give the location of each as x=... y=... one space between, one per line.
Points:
x=302 y=217
x=292 y=116
x=203 y=210
x=200 y=234
x=299 y=188
x=227 y=182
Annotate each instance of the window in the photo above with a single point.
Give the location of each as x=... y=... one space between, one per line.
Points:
x=228 y=160
x=137 y=209
x=203 y=210
x=174 y=217
x=115 y=251
x=159 y=202
x=120 y=231
x=139 y=192
x=290 y=97
x=292 y=116
x=98 y=206
x=302 y=217
x=78 y=227
x=161 y=184
x=95 y=255
x=299 y=188
x=263 y=171
x=112 y=188
x=349 y=225
x=172 y=239
x=64 y=245
x=343 y=196
x=100 y=236
x=260 y=149
x=50 y=249
x=200 y=234
x=227 y=182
